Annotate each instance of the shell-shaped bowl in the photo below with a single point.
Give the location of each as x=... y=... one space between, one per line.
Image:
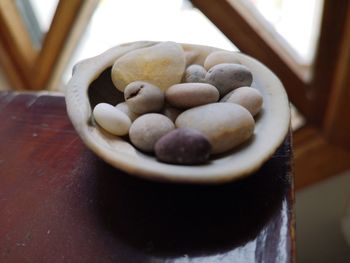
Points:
x=91 y=84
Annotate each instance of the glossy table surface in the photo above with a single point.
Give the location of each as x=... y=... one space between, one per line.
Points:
x=60 y=203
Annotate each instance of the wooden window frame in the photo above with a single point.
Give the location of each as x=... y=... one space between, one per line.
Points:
x=321 y=92
x=31 y=69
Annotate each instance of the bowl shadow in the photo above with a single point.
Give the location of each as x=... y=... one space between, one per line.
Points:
x=173 y=219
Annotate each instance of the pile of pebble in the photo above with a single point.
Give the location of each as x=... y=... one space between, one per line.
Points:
x=181 y=113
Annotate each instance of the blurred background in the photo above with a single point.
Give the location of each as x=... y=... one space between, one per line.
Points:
x=305 y=42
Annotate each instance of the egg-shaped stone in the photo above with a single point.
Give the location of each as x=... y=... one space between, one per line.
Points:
x=111 y=119
x=248 y=97
x=226 y=125
x=226 y=77
x=162 y=65
x=183 y=146
x=146 y=130
x=219 y=57
x=188 y=95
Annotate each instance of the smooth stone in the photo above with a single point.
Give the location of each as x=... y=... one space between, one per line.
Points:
x=122 y=106
x=111 y=119
x=183 y=146
x=188 y=95
x=146 y=130
x=219 y=57
x=226 y=77
x=248 y=97
x=143 y=97
x=226 y=125
x=162 y=65
x=171 y=112
x=195 y=73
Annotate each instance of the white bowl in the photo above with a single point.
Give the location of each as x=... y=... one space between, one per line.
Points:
x=272 y=124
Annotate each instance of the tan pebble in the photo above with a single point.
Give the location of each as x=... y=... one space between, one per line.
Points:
x=219 y=57
x=111 y=119
x=147 y=129
x=122 y=106
x=187 y=95
x=195 y=73
x=226 y=125
x=248 y=97
x=226 y=77
x=162 y=64
x=143 y=97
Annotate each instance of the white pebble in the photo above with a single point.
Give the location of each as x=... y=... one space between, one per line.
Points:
x=111 y=119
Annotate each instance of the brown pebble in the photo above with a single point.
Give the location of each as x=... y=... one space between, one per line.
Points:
x=183 y=146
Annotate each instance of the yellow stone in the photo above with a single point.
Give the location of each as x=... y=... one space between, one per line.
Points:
x=162 y=65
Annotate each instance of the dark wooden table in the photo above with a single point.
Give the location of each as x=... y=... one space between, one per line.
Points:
x=60 y=203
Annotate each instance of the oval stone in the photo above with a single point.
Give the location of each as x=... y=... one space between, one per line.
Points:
x=188 y=95
x=248 y=97
x=162 y=65
x=111 y=119
x=146 y=130
x=226 y=125
x=227 y=77
x=219 y=57
x=183 y=146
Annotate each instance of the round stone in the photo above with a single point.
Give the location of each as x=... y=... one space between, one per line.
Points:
x=226 y=77
x=143 y=97
x=226 y=125
x=188 y=95
x=111 y=119
x=146 y=130
x=248 y=97
x=162 y=65
x=219 y=57
x=183 y=146
x=195 y=73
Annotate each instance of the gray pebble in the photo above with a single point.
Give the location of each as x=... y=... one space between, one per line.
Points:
x=183 y=146
x=147 y=129
x=143 y=97
x=227 y=77
x=195 y=73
